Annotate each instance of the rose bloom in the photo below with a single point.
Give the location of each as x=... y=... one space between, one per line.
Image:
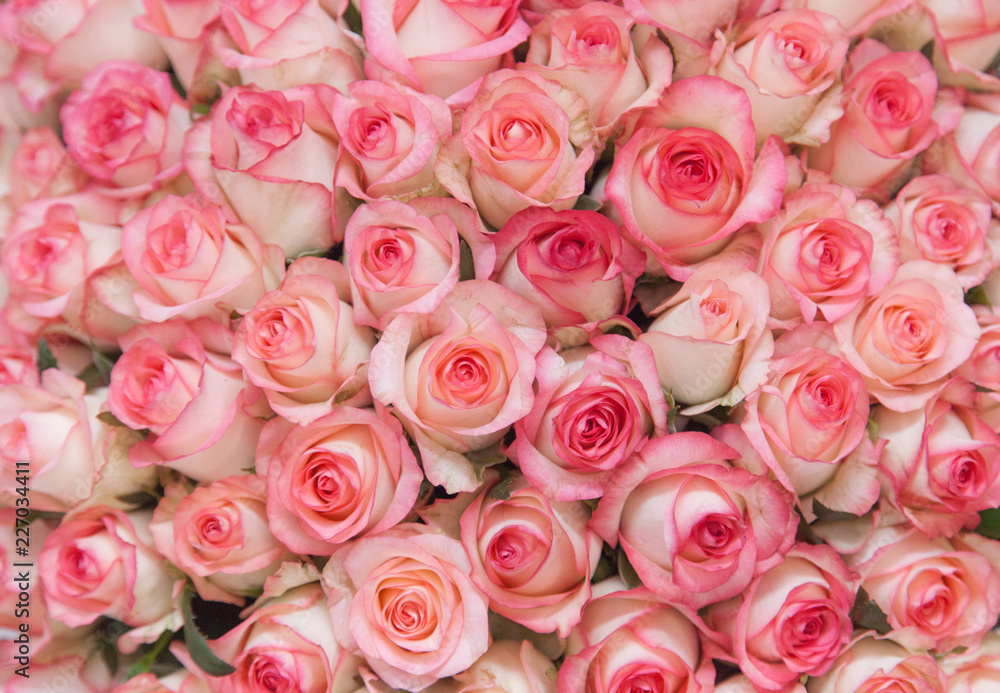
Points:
x=13 y=589
x=509 y=667
x=966 y=42
x=181 y=681
x=893 y=110
x=600 y=52
x=344 y=475
x=688 y=178
x=941 y=222
x=176 y=380
x=941 y=463
x=300 y=344
x=524 y=141
x=710 y=339
x=688 y=27
x=983 y=366
x=390 y=136
x=40 y=166
x=695 y=529
x=825 y=251
x=966 y=155
x=405 y=258
x=101 y=562
x=792 y=620
x=977 y=670
x=460 y=376
x=595 y=407
x=189 y=261
x=808 y=422
x=907 y=339
x=573 y=264
x=403 y=599
x=69 y=659
x=286 y=44
x=873 y=666
x=789 y=63
x=531 y=556
x=937 y=594
x=269 y=157
x=857 y=16
x=287 y=643
x=469 y=41
x=628 y=640
x=125 y=126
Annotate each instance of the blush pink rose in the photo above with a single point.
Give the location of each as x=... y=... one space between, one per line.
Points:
x=939 y=221
x=695 y=529
x=181 y=681
x=977 y=670
x=13 y=588
x=40 y=166
x=789 y=63
x=983 y=366
x=125 y=126
x=509 y=667
x=907 y=339
x=403 y=599
x=893 y=110
x=790 y=621
x=941 y=464
x=289 y=43
x=344 y=475
x=711 y=340
x=300 y=344
x=176 y=380
x=856 y=17
x=69 y=659
x=405 y=258
x=470 y=40
x=533 y=557
x=689 y=177
x=101 y=562
x=595 y=407
x=218 y=535
x=825 y=251
x=599 y=51
x=459 y=377
x=269 y=157
x=873 y=666
x=690 y=29
x=525 y=141
x=966 y=155
x=965 y=43
x=573 y=264
x=390 y=136
x=287 y=643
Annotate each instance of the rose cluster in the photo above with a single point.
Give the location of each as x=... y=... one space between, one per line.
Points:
x=513 y=346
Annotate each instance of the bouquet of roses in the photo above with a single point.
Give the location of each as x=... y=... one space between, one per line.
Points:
x=523 y=346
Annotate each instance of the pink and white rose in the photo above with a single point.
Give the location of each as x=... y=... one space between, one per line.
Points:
x=872 y=666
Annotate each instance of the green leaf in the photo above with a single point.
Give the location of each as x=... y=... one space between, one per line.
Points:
x=989 y=523
x=145 y=663
x=873 y=428
x=197 y=646
x=201 y=108
x=927 y=50
x=110 y=419
x=103 y=366
x=868 y=615
x=587 y=203
x=976 y=296
x=627 y=572
x=44 y=358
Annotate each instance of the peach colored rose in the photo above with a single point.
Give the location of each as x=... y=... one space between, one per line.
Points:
x=344 y=475
x=509 y=667
x=873 y=666
x=300 y=344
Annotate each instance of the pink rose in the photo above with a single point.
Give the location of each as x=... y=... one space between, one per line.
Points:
x=983 y=366
x=344 y=475
x=525 y=141
x=41 y=167
x=573 y=264
x=288 y=43
x=825 y=251
x=301 y=346
x=101 y=562
x=966 y=155
x=710 y=340
x=125 y=126
x=789 y=63
x=70 y=660
x=531 y=556
x=269 y=157
x=907 y=339
x=893 y=110
x=857 y=16
x=390 y=136
x=470 y=40
x=188 y=261
x=181 y=681
x=688 y=178
x=460 y=376
x=873 y=666
x=695 y=529
x=974 y=671
x=17 y=536
x=595 y=407
x=941 y=463
x=965 y=43
x=287 y=643
x=509 y=667
x=176 y=380
x=790 y=621
x=628 y=640
x=405 y=258
x=600 y=52
x=941 y=222
x=937 y=594
x=218 y=535
x=403 y=600
x=682 y=21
